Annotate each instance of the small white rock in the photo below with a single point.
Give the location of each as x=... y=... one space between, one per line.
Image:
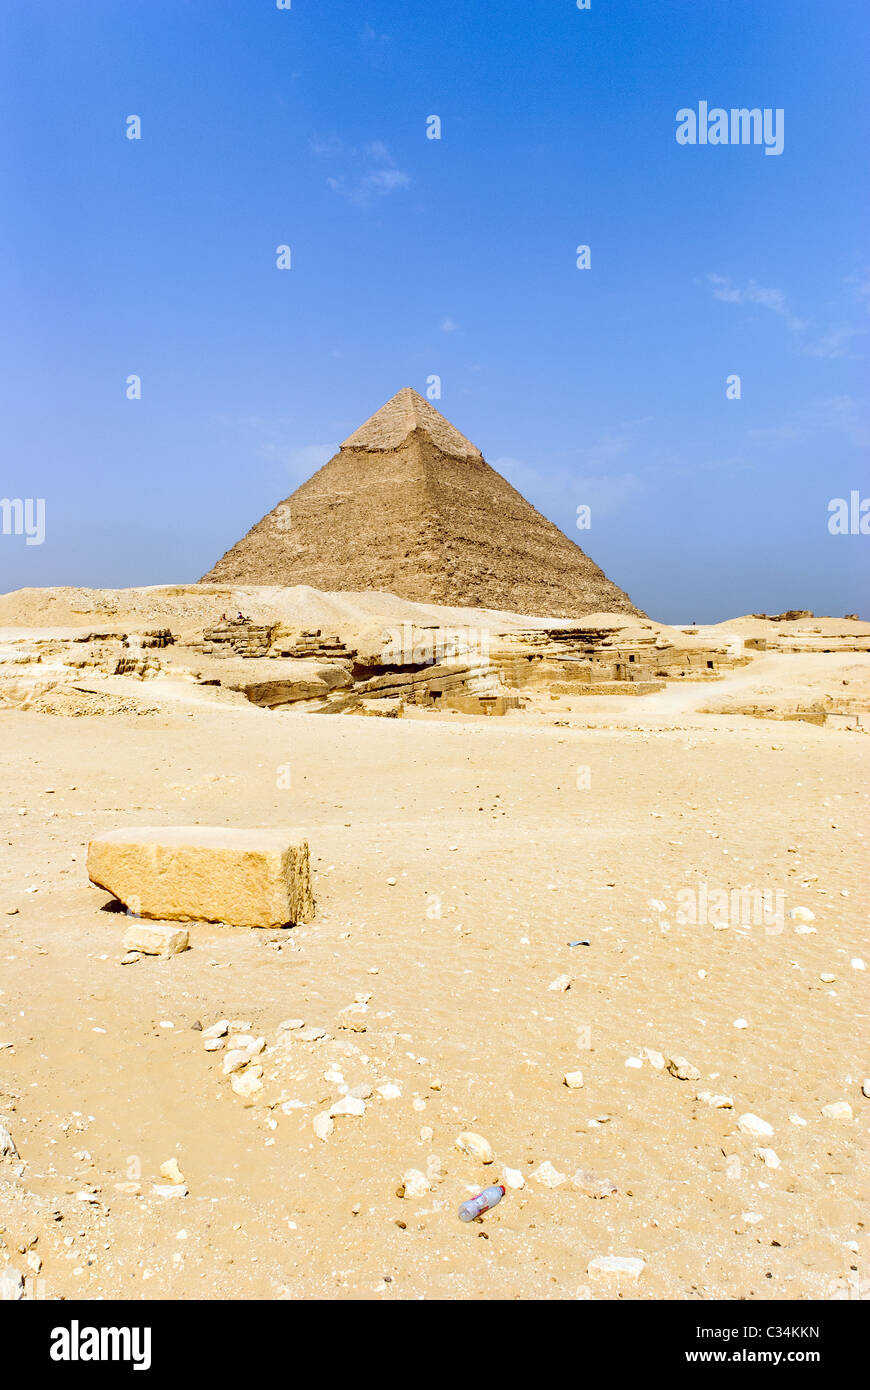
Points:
x=415 y=1183
x=247 y=1083
x=802 y=914
x=618 y=1267
x=154 y=939
x=837 y=1110
x=235 y=1060
x=348 y=1105
x=769 y=1157
x=560 y=984
x=593 y=1184
x=244 y=1042
x=857 y=963
x=751 y=1124
x=11 y=1285
x=475 y=1146
x=7 y=1144
x=513 y=1178
x=323 y=1125
x=682 y=1069
x=549 y=1176
x=573 y=1080
x=217 y=1030
x=634 y=1062
x=715 y=1102
x=655 y=1059
x=311 y=1034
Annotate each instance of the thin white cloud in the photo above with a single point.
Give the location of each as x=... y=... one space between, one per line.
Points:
x=449 y=325
x=833 y=344
x=378 y=151
x=861 y=287
x=268 y=440
x=385 y=180
x=373 y=172
x=557 y=489
x=753 y=293
x=831 y=415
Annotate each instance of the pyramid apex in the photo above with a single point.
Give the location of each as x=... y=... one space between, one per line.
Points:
x=407 y=411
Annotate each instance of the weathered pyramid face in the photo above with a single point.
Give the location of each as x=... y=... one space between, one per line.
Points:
x=409 y=506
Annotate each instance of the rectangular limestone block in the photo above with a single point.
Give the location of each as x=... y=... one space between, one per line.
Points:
x=153 y=939
x=247 y=878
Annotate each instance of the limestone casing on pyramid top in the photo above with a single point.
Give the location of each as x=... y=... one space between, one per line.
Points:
x=407 y=411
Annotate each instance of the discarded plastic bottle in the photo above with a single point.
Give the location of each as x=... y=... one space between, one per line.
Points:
x=476 y=1206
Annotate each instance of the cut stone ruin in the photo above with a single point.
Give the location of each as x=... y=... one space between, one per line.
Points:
x=245 y=878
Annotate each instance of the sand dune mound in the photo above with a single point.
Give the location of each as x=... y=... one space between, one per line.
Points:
x=182 y=607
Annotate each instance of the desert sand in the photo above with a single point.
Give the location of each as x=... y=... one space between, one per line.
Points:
x=455 y=859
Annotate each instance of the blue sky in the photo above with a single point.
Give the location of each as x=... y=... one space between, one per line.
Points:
x=454 y=257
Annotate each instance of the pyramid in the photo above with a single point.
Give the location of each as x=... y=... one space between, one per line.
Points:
x=409 y=506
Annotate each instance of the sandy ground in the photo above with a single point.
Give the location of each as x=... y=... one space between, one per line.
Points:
x=507 y=840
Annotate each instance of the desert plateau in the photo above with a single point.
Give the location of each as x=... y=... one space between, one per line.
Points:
x=503 y=945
